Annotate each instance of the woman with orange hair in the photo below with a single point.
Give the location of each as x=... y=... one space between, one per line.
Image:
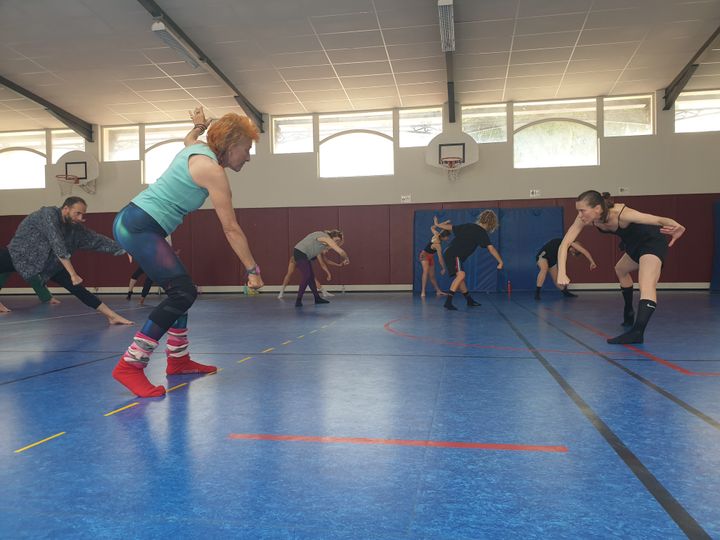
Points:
x=196 y=173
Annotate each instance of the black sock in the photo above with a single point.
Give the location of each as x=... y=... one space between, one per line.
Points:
x=628 y=312
x=637 y=333
x=469 y=299
x=319 y=300
x=537 y=293
x=129 y=295
x=567 y=293
x=449 y=300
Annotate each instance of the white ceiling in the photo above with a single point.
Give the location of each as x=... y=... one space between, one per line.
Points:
x=98 y=59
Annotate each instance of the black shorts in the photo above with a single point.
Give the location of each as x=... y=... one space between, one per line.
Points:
x=552 y=261
x=652 y=246
x=453 y=262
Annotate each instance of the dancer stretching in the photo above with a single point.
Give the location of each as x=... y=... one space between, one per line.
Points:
x=198 y=171
x=644 y=240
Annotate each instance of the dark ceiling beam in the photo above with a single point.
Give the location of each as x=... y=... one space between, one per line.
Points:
x=157 y=12
x=450 y=69
x=676 y=86
x=78 y=125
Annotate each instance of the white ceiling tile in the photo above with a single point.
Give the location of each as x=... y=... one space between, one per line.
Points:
x=365 y=68
x=600 y=78
x=164 y=95
x=550 y=68
x=315 y=85
x=159 y=83
x=424 y=77
x=628 y=16
x=413 y=34
x=351 y=22
x=482 y=85
x=349 y=40
x=537 y=56
x=367 y=81
x=272 y=44
x=531 y=94
x=397 y=18
x=589 y=66
x=484 y=29
x=298 y=59
x=327 y=106
x=419 y=64
x=545 y=41
x=490 y=72
x=533 y=82
x=554 y=23
x=487 y=10
x=365 y=54
x=484 y=45
x=536 y=8
x=463 y=61
x=619 y=34
x=617 y=51
x=373 y=93
x=307 y=72
x=417 y=50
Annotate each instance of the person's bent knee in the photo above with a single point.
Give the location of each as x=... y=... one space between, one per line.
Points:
x=182 y=292
x=460 y=275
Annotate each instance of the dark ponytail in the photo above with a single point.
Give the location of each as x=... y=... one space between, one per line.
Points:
x=594 y=198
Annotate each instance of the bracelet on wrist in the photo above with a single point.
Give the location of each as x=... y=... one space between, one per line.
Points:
x=202 y=127
x=255 y=270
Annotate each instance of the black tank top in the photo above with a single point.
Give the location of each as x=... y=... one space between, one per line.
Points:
x=634 y=234
x=429 y=248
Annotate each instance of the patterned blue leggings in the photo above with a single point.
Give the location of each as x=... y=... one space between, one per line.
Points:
x=143 y=238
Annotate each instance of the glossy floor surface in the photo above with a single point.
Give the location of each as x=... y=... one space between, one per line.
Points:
x=375 y=416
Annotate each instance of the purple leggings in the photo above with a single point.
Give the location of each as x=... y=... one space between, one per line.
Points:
x=308 y=277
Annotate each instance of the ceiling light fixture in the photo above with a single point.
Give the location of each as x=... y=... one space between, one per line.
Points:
x=174 y=42
x=447 y=25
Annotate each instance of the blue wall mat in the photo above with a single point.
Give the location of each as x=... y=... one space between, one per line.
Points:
x=522 y=232
x=715 y=279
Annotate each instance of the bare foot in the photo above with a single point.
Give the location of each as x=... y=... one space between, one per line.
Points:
x=54 y=301
x=117 y=319
x=422 y=295
x=440 y=293
x=3 y=309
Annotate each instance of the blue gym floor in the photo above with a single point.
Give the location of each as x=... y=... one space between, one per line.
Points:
x=378 y=416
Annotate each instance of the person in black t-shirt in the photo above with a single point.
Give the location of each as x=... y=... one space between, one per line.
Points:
x=467 y=238
x=547 y=259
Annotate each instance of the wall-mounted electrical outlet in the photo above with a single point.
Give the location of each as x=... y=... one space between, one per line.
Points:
x=623 y=190
x=404 y=199
x=534 y=193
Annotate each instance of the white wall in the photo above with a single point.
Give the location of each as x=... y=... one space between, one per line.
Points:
x=665 y=163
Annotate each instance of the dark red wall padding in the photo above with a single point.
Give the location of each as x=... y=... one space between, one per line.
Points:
x=379 y=241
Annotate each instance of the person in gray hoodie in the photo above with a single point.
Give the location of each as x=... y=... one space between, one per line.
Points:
x=43 y=244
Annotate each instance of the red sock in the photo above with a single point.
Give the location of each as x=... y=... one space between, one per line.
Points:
x=132 y=377
x=183 y=365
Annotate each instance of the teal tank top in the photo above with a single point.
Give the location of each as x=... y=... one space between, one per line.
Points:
x=175 y=194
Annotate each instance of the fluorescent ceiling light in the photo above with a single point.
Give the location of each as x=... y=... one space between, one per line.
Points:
x=175 y=43
x=447 y=25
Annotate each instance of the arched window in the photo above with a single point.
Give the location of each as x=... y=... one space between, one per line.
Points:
x=22 y=168
x=158 y=158
x=555 y=142
x=356 y=153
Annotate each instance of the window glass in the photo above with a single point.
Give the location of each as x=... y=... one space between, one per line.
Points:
x=485 y=123
x=64 y=141
x=697 y=111
x=292 y=135
x=555 y=143
x=584 y=110
x=121 y=143
x=419 y=126
x=356 y=154
x=22 y=169
x=629 y=115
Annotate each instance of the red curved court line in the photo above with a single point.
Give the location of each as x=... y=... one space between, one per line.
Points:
x=398 y=442
x=648 y=355
x=389 y=328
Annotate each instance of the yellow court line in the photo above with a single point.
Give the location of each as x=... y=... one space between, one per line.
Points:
x=122 y=409
x=39 y=442
x=244 y=359
x=288 y=342
x=268 y=350
x=176 y=387
x=218 y=370
x=300 y=337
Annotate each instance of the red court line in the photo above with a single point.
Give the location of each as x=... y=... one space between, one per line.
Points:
x=398 y=442
x=646 y=354
x=389 y=328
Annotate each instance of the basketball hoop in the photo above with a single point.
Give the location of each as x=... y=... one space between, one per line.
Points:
x=452 y=166
x=66 y=183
